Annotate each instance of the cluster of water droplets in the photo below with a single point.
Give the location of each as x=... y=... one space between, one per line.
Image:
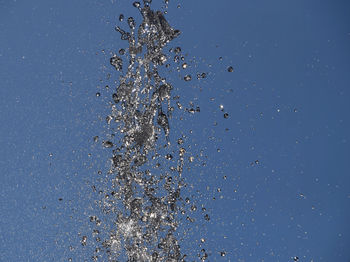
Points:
x=142 y=197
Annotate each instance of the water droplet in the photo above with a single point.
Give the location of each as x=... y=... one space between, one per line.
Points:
x=84 y=240
x=115 y=98
x=136 y=4
x=107 y=144
x=225 y=115
x=184 y=65
x=180 y=141
x=177 y=50
x=131 y=22
x=98 y=94
x=117 y=62
x=109 y=119
x=176 y=59
x=162 y=120
x=187 y=78
x=230 y=69
x=121 y=51
x=121 y=17
x=124 y=35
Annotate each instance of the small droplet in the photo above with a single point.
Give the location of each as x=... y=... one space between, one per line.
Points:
x=131 y=22
x=223 y=253
x=187 y=78
x=115 y=98
x=168 y=156
x=136 y=4
x=184 y=65
x=177 y=50
x=225 y=115
x=107 y=144
x=109 y=119
x=121 y=17
x=162 y=120
x=98 y=94
x=95 y=139
x=230 y=69
x=122 y=51
x=84 y=240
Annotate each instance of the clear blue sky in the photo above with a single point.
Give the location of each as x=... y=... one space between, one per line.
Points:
x=284 y=148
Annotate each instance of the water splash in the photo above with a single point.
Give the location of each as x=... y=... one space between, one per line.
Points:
x=141 y=198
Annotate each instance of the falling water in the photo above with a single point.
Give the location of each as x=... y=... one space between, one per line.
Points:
x=143 y=198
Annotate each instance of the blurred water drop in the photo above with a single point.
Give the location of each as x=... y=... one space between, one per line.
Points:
x=107 y=144
x=84 y=240
x=187 y=78
x=121 y=51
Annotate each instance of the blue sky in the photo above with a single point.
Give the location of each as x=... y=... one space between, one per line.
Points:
x=277 y=166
